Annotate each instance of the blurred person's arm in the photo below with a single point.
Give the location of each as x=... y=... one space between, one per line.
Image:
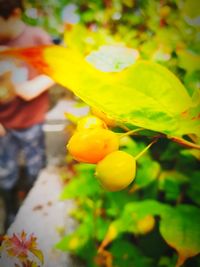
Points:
x=30 y=89
x=2 y=130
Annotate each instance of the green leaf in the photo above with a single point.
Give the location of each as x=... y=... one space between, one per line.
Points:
x=71 y=242
x=76 y=240
x=172 y=190
x=174 y=176
x=144 y=208
x=194 y=187
x=192 y=81
x=188 y=60
x=113 y=206
x=135 y=211
x=102 y=226
x=127 y=221
x=167 y=261
x=38 y=253
x=126 y=254
x=170 y=182
x=82 y=185
x=191 y=153
x=145 y=94
x=180 y=229
x=147 y=173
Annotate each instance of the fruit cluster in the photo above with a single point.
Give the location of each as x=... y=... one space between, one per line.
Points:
x=94 y=143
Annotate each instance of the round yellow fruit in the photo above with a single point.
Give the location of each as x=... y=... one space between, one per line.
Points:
x=90 y=122
x=92 y=145
x=116 y=171
x=100 y=114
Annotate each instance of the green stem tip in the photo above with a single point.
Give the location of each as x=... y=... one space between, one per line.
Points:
x=145 y=149
x=131 y=132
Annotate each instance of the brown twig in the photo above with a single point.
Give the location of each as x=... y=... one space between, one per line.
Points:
x=184 y=142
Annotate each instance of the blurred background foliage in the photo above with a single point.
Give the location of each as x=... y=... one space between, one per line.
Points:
x=156 y=218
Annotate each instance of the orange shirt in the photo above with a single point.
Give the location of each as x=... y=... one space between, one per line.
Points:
x=18 y=113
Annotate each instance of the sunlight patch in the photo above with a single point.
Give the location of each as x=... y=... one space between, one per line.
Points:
x=112 y=58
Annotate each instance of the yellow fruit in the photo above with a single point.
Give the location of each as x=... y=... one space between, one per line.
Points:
x=146 y=224
x=109 y=121
x=92 y=145
x=116 y=171
x=90 y=122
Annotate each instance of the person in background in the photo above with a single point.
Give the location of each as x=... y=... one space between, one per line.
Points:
x=23 y=105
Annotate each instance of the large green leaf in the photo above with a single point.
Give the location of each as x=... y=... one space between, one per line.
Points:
x=180 y=228
x=132 y=213
x=144 y=94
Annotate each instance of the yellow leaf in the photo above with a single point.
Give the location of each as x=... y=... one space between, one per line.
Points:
x=110 y=236
x=38 y=253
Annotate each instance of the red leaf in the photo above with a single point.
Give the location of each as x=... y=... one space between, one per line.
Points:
x=20 y=245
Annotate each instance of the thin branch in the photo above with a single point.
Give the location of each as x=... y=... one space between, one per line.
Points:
x=185 y=143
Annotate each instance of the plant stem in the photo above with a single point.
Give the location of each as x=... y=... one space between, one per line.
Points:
x=193 y=138
x=131 y=132
x=125 y=128
x=145 y=149
x=185 y=143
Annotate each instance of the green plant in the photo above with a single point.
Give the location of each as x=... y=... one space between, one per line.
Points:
x=151 y=210
x=157 y=92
